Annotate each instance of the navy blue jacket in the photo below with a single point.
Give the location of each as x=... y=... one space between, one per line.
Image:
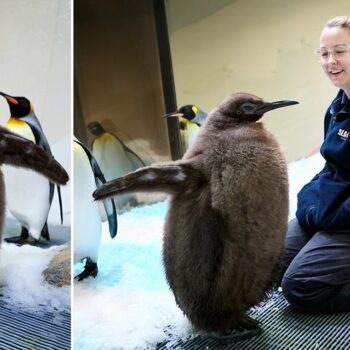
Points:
x=324 y=203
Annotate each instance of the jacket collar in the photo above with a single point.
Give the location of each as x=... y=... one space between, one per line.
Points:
x=341 y=104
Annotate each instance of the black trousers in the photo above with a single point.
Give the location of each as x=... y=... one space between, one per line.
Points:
x=317 y=270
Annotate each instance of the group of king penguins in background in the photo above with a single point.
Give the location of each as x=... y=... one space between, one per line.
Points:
x=28 y=194
x=107 y=159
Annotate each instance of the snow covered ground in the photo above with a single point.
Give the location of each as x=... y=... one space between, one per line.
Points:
x=21 y=268
x=129 y=304
x=22 y=282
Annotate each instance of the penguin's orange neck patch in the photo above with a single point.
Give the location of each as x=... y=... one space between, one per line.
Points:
x=13 y=122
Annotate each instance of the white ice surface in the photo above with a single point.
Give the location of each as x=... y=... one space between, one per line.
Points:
x=129 y=304
x=22 y=282
x=21 y=268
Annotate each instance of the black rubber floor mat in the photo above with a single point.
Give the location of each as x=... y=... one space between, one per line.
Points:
x=40 y=329
x=283 y=328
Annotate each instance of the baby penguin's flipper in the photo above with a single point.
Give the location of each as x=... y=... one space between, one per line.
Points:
x=17 y=151
x=168 y=177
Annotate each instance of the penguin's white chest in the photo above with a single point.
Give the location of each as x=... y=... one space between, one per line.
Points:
x=27 y=193
x=114 y=163
x=111 y=157
x=87 y=220
x=193 y=130
x=20 y=127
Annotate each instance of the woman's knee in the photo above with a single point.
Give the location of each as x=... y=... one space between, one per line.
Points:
x=307 y=295
x=292 y=291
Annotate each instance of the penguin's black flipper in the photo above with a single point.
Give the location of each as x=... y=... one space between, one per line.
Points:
x=90 y=269
x=45 y=232
x=134 y=159
x=41 y=140
x=109 y=205
x=18 y=151
x=170 y=178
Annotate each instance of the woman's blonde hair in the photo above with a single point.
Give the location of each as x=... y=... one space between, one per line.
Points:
x=340 y=21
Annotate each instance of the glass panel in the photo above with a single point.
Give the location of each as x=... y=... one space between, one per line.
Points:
x=262 y=47
x=117 y=76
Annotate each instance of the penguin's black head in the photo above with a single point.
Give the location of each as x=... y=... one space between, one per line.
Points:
x=19 y=106
x=95 y=128
x=247 y=108
x=187 y=112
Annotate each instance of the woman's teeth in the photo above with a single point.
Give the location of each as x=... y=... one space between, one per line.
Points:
x=335 y=72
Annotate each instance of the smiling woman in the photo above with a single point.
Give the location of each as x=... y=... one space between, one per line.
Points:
x=335 y=52
x=317 y=252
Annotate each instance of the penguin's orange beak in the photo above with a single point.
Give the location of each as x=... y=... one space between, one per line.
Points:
x=174 y=115
x=10 y=99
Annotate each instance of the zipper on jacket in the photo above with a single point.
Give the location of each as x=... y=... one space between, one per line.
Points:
x=307 y=214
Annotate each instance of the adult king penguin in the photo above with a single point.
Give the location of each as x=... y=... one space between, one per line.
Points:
x=227 y=216
x=29 y=195
x=87 y=220
x=20 y=152
x=191 y=119
x=114 y=157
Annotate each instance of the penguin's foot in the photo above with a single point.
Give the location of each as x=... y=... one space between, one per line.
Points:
x=90 y=269
x=24 y=233
x=19 y=240
x=246 y=328
x=45 y=232
x=246 y=322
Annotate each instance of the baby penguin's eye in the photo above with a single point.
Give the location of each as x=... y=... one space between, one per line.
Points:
x=246 y=108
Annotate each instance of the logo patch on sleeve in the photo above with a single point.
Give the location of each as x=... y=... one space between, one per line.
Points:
x=343 y=134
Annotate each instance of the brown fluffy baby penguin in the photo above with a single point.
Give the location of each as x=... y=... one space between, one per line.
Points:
x=17 y=151
x=227 y=216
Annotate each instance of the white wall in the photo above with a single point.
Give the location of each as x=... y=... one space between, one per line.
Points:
x=262 y=47
x=35 y=62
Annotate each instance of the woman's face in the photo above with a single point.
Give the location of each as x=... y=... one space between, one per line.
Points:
x=337 y=69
